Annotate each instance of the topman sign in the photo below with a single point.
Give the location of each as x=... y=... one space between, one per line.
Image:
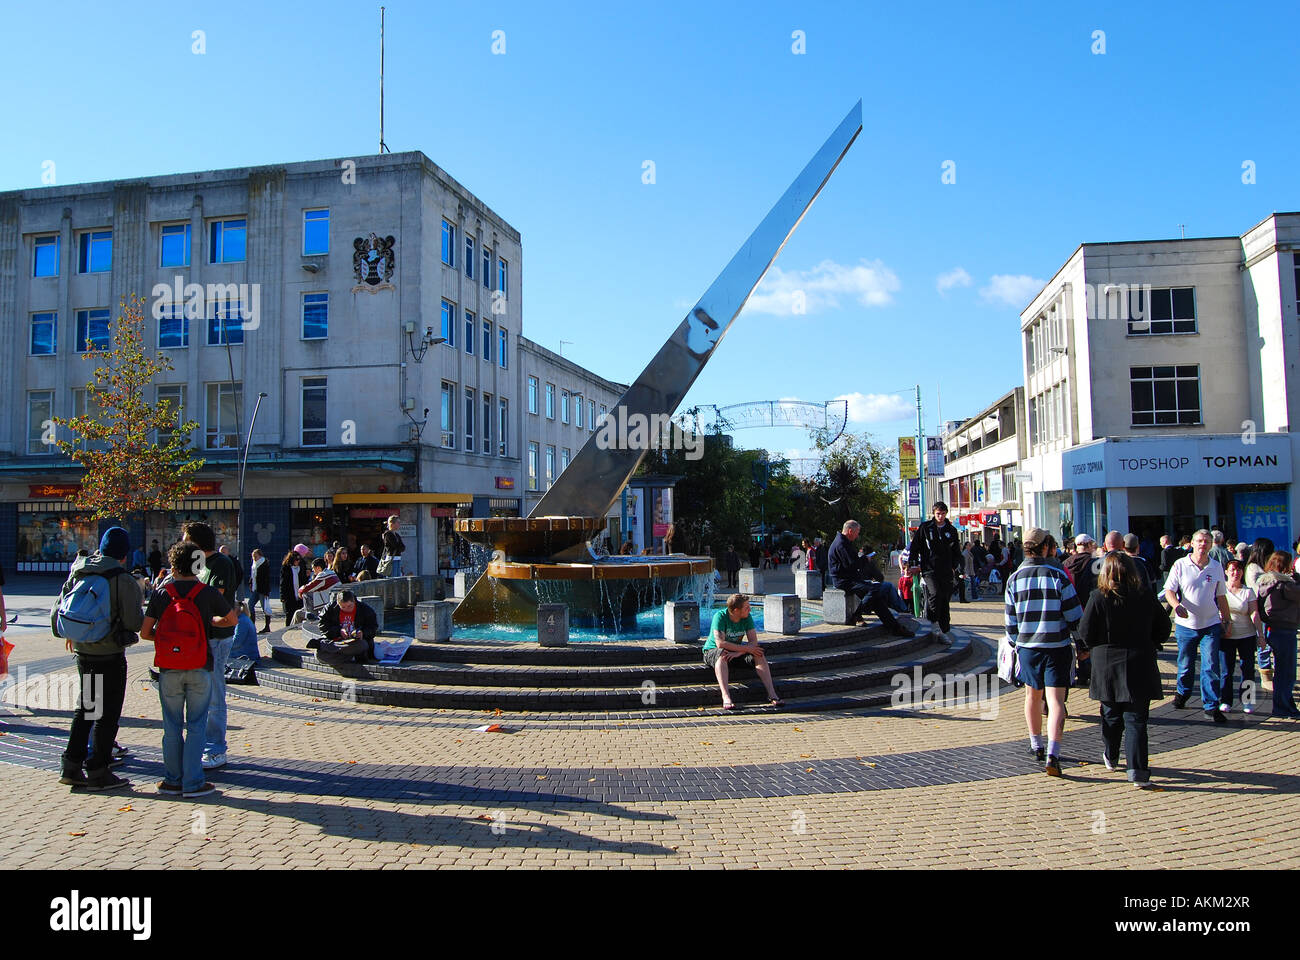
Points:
x=1178 y=461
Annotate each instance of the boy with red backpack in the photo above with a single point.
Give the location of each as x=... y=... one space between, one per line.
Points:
x=179 y=620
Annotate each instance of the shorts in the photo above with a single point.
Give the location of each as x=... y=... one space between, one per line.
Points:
x=1045 y=666
x=711 y=658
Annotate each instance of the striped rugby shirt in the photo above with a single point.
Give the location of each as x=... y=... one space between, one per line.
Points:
x=1041 y=605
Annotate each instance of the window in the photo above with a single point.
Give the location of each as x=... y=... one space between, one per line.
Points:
x=225 y=322
x=581 y=421
x=175 y=395
x=471 y=329
x=532 y=465
x=487 y=424
x=449 y=323
x=503 y=276
x=487 y=268
x=40 y=411
x=469 y=257
x=503 y=344
x=86 y=404
x=550 y=466
x=45 y=256
x=315 y=316
x=173 y=326
x=591 y=414
x=315 y=232
x=550 y=401
x=564 y=406
x=564 y=458
x=222 y=430
x=174 y=245
x=1165 y=395
x=603 y=412
x=92 y=330
x=95 y=254
x=1169 y=310
x=532 y=394
x=449 y=415
x=45 y=333
x=487 y=340
x=448 y=243
x=503 y=427
x=229 y=241
x=469 y=419
x=313 y=411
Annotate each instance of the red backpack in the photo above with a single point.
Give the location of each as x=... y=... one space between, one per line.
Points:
x=180 y=638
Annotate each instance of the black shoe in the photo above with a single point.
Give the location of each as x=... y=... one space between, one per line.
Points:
x=105 y=780
x=1038 y=753
x=1180 y=701
x=1216 y=715
x=1053 y=767
x=73 y=776
x=899 y=630
x=117 y=761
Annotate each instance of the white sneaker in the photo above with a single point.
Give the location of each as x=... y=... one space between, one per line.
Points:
x=1225 y=708
x=211 y=761
x=1106 y=760
x=1248 y=708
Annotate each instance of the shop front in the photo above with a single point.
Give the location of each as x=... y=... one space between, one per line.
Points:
x=50 y=532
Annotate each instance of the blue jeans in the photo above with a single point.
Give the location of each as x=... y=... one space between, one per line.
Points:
x=184 y=695
x=893 y=599
x=397 y=567
x=1283 y=643
x=1207 y=640
x=216 y=737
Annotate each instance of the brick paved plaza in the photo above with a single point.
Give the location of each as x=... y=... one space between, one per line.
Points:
x=331 y=784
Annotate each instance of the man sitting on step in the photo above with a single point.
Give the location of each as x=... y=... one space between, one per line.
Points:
x=349 y=630
x=849 y=573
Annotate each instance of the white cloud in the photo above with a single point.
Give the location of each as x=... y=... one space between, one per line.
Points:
x=956 y=277
x=1012 y=290
x=877 y=407
x=784 y=294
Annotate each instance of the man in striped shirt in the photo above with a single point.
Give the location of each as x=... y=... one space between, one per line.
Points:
x=1041 y=607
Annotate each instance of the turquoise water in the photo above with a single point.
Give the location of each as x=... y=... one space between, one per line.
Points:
x=649 y=626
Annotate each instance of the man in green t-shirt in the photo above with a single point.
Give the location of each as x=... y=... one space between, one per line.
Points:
x=732 y=636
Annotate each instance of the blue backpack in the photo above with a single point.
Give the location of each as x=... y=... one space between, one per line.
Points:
x=85 y=613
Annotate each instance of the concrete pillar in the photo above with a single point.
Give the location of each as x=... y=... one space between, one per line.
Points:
x=428 y=587
x=553 y=624
x=462 y=583
x=433 y=620
x=1116 y=511
x=750 y=581
x=781 y=613
x=376 y=604
x=414 y=594
x=838 y=606
x=682 y=621
x=808 y=584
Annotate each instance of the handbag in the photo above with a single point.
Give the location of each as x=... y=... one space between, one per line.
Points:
x=385 y=568
x=241 y=670
x=1008 y=662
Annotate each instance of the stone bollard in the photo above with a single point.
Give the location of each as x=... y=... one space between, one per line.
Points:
x=462 y=583
x=553 y=624
x=376 y=604
x=402 y=586
x=433 y=620
x=808 y=584
x=413 y=590
x=781 y=613
x=682 y=621
x=751 y=581
x=429 y=587
x=838 y=607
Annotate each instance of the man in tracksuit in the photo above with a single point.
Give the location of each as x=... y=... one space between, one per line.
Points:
x=936 y=555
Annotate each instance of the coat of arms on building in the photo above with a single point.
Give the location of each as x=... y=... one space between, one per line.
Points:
x=372 y=263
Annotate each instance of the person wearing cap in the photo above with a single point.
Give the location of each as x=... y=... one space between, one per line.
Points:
x=1041 y=608
x=101 y=666
x=292 y=576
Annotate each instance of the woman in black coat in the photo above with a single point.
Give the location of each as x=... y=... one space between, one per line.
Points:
x=288 y=587
x=1122 y=629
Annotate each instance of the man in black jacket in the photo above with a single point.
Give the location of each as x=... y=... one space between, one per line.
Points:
x=848 y=572
x=935 y=553
x=349 y=629
x=367 y=561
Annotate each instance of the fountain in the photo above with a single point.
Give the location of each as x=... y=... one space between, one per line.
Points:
x=546 y=557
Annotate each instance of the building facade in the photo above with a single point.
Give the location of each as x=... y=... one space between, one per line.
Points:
x=982 y=458
x=368 y=310
x=1161 y=385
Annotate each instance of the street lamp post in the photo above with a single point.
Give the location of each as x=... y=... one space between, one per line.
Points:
x=243 y=466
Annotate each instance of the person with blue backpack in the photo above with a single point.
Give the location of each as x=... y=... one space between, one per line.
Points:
x=98 y=613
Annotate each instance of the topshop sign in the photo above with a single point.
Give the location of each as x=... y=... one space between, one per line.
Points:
x=1178 y=461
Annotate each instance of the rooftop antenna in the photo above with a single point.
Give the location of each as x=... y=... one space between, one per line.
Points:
x=383 y=147
x=1182 y=230
x=562 y=343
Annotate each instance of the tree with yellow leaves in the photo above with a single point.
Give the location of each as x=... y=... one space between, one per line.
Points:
x=135 y=454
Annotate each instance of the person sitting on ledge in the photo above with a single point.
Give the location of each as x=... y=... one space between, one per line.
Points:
x=348 y=629
x=316 y=590
x=849 y=574
x=731 y=627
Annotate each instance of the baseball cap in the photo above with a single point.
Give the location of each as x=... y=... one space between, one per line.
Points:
x=301 y=549
x=1083 y=538
x=1035 y=537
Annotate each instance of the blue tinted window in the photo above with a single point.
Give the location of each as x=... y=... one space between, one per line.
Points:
x=315 y=316
x=46 y=260
x=469 y=257
x=229 y=241
x=225 y=322
x=175 y=246
x=448 y=244
x=487 y=340
x=96 y=253
x=315 y=232
x=44 y=334
x=503 y=276
x=487 y=268
x=501 y=359
x=173 y=327
x=92 y=330
x=449 y=323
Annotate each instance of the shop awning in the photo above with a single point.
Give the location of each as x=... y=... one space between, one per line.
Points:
x=403 y=498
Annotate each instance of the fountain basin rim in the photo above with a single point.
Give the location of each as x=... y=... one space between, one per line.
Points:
x=642 y=568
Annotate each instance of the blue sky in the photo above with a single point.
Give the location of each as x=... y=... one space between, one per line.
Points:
x=1053 y=145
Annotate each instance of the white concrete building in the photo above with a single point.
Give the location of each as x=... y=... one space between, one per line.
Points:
x=1161 y=385
x=981 y=462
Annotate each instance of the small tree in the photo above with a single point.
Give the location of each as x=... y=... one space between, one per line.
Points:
x=127 y=471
